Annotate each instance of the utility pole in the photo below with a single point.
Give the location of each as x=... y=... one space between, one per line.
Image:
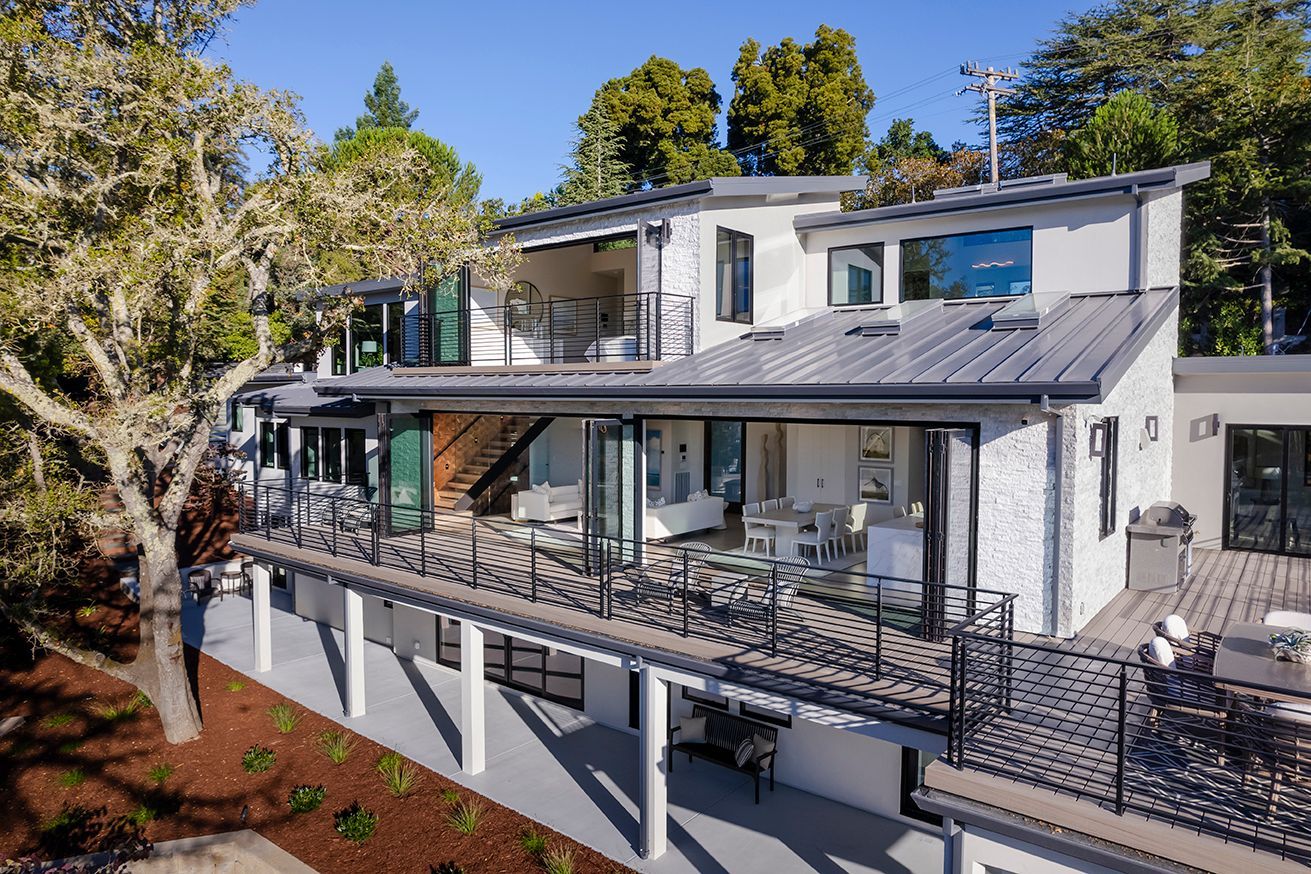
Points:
x=989 y=88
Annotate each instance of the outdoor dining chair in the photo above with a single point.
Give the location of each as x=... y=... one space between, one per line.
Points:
x=779 y=592
x=1182 y=703
x=1279 y=738
x=664 y=579
x=1196 y=649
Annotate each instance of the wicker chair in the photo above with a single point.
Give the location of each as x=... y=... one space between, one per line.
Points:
x=1197 y=647
x=664 y=579
x=1186 y=704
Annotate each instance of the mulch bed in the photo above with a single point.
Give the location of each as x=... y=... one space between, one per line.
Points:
x=208 y=789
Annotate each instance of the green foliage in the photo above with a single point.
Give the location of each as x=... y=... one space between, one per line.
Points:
x=160 y=773
x=71 y=746
x=384 y=106
x=368 y=144
x=533 y=843
x=86 y=611
x=72 y=778
x=285 y=717
x=235 y=685
x=120 y=712
x=336 y=745
x=596 y=169
x=799 y=109
x=907 y=165
x=142 y=814
x=667 y=119
x=399 y=775
x=1125 y=134
x=57 y=720
x=355 y=823
x=466 y=817
x=258 y=759
x=558 y=860
x=450 y=796
x=305 y=798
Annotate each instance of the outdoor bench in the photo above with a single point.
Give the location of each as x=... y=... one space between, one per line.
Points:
x=724 y=735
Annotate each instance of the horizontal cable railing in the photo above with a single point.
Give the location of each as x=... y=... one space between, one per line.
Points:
x=622 y=327
x=865 y=635
x=1132 y=737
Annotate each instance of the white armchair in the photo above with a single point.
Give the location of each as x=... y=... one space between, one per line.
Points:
x=548 y=503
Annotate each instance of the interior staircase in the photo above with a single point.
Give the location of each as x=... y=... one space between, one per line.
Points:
x=489 y=452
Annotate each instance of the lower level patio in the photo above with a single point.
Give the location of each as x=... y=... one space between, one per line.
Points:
x=559 y=767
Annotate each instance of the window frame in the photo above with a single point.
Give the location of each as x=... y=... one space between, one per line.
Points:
x=282 y=446
x=707 y=699
x=268 y=442
x=882 y=286
x=311 y=442
x=764 y=714
x=735 y=315
x=331 y=460
x=901 y=258
x=351 y=475
x=910 y=781
x=238 y=417
x=1109 y=477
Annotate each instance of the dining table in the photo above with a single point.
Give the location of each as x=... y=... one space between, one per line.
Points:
x=787 y=522
x=1245 y=663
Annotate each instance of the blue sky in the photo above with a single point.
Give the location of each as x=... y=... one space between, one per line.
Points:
x=503 y=82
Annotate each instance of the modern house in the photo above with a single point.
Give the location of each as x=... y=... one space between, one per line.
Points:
x=592 y=486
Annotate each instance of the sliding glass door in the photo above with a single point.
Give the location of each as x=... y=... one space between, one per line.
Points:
x=1268 y=485
x=726 y=460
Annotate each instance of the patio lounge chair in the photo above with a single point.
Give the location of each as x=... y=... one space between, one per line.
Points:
x=1195 y=648
x=778 y=594
x=664 y=579
x=1184 y=703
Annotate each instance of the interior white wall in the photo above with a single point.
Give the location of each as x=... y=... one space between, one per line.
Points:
x=833 y=453
x=556 y=456
x=1078 y=246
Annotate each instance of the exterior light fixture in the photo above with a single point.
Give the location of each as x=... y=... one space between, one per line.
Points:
x=1097 y=440
x=1152 y=426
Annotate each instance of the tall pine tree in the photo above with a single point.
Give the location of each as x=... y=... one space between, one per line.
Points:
x=384 y=105
x=596 y=169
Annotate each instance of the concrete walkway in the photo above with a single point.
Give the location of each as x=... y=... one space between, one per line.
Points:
x=557 y=766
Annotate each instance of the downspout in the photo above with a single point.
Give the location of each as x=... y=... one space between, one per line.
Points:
x=1058 y=495
x=1138 y=241
x=949 y=832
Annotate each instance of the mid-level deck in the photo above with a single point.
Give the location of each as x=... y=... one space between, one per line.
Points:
x=1168 y=763
x=866 y=645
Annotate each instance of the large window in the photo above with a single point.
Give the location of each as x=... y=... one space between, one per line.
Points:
x=395 y=333
x=238 y=417
x=366 y=337
x=855 y=275
x=332 y=455
x=338 y=348
x=357 y=472
x=309 y=453
x=725 y=459
x=733 y=274
x=274 y=445
x=986 y=264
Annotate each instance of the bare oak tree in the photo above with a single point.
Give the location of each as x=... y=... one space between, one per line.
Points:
x=126 y=196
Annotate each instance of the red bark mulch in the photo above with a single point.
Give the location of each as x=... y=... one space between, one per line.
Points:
x=208 y=788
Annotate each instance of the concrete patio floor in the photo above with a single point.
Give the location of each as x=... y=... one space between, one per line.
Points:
x=557 y=766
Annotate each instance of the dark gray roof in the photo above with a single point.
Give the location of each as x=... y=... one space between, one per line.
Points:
x=1012 y=192
x=717 y=186
x=1075 y=353
x=301 y=399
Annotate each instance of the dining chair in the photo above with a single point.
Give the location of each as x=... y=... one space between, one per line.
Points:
x=837 y=535
x=818 y=538
x=1279 y=736
x=763 y=534
x=898 y=512
x=917 y=508
x=1196 y=648
x=786 y=503
x=857 y=520
x=771 y=504
x=1184 y=706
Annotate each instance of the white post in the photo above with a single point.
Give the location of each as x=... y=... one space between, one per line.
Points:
x=654 y=694
x=260 y=584
x=354 y=625
x=473 y=736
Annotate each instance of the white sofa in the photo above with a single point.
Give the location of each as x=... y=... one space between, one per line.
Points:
x=548 y=505
x=684 y=518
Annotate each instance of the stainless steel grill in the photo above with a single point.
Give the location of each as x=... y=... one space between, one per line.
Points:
x=1161 y=547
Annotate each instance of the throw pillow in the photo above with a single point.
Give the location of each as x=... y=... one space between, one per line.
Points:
x=763 y=747
x=692 y=730
x=1161 y=651
x=745 y=750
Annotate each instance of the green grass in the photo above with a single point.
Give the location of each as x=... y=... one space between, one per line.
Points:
x=336 y=745
x=71 y=746
x=72 y=778
x=86 y=611
x=399 y=775
x=355 y=823
x=258 y=759
x=533 y=843
x=450 y=796
x=161 y=772
x=112 y=712
x=67 y=819
x=558 y=861
x=235 y=685
x=466 y=817
x=142 y=814
x=285 y=717
x=57 y=720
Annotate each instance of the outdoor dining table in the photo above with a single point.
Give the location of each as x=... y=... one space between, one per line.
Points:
x=786 y=522
x=1244 y=656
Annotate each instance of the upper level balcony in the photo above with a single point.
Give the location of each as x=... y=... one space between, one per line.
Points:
x=645 y=326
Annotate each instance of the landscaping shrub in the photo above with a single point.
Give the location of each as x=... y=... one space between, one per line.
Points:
x=57 y=720
x=258 y=759
x=161 y=772
x=466 y=817
x=304 y=798
x=336 y=745
x=72 y=777
x=142 y=814
x=533 y=843
x=285 y=717
x=355 y=823
x=235 y=685
x=558 y=861
x=450 y=796
x=71 y=746
x=127 y=710
x=399 y=775
x=446 y=868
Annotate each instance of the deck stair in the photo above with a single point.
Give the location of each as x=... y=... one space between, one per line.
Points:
x=492 y=442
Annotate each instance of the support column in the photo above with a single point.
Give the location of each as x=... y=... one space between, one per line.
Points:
x=261 y=583
x=654 y=819
x=473 y=730
x=354 y=626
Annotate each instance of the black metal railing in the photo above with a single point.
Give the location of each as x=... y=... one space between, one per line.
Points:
x=624 y=327
x=863 y=635
x=1169 y=744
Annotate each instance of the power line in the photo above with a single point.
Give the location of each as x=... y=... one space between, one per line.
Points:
x=990 y=87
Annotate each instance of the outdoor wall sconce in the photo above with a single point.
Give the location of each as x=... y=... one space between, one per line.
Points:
x=1097 y=440
x=1152 y=427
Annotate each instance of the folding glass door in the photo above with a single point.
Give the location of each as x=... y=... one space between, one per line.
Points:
x=726 y=459
x=948 y=521
x=603 y=488
x=1268 y=485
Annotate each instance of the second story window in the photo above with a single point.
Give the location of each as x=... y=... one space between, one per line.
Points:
x=734 y=266
x=366 y=337
x=274 y=445
x=357 y=471
x=309 y=453
x=332 y=455
x=855 y=274
x=984 y=264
